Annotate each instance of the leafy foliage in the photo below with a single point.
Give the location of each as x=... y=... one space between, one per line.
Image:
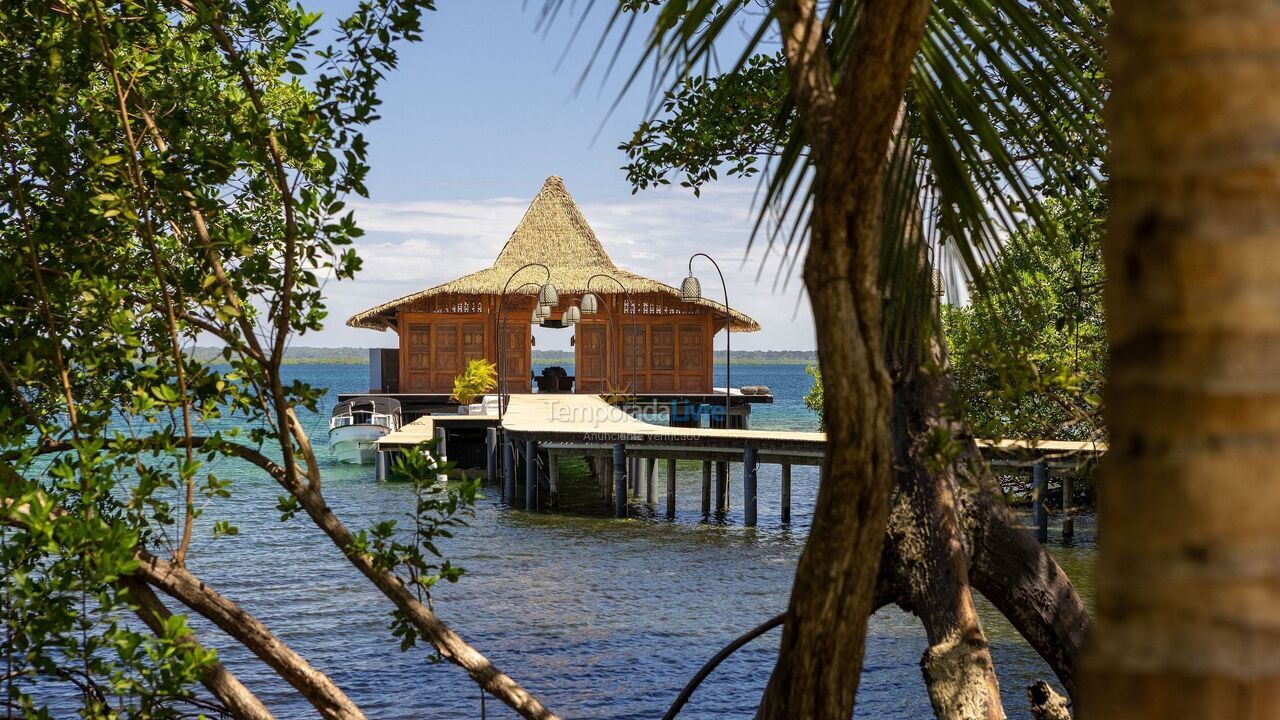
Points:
x=1037 y=370
x=814 y=397
x=986 y=137
x=168 y=170
x=477 y=378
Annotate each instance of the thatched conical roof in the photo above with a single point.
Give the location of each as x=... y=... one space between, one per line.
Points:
x=553 y=232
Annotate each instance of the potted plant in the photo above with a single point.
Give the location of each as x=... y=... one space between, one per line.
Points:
x=479 y=377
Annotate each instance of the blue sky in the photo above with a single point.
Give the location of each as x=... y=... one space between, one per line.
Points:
x=474 y=120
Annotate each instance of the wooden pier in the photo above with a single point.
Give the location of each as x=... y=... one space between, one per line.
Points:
x=545 y=427
x=627 y=453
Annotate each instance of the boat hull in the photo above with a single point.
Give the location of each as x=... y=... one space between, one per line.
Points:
x=355 y=444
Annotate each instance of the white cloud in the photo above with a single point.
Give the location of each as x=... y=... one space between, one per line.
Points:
x=414 y=245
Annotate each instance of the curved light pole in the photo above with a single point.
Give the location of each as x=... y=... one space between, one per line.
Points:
x=635 y=385
x=504 y=312
x=546 y=294
x=691 y=290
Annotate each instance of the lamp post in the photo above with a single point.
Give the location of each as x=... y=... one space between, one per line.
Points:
x=547 y=295
x=691 y=290
x=589 y=305
x=504 y=312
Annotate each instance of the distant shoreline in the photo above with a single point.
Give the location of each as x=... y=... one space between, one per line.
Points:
x=360 y=356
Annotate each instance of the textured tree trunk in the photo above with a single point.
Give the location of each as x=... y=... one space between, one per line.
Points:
x=848 y=128
x=1189 y=494
x=927 y=553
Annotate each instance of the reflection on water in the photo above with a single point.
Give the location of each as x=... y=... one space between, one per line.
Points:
x=597 y=617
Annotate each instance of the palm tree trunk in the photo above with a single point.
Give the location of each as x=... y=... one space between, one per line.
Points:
x=1189 y=508
x=848 y=127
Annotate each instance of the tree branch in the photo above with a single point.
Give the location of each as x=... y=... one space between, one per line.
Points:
x=235 y=697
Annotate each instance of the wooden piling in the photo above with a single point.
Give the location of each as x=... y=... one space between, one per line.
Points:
x=491 y=454
x=650 y=469
x=380 y=465
x=786 y=492
x=1040 y=518
x=442 y=446
x=530 y=475
x=619 y=480
x=706 y=488
x=722 y=486
x=1068 y=506
x=508 y=470
x=604 y=467
x=671 y=487
x=553 y=477
x=749 y=508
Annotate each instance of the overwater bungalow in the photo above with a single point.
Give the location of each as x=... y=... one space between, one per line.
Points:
x=631 y=333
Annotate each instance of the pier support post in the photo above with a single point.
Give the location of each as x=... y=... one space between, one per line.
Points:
x=619 y=480
x=722 y=486
x=671 y=488
x=749 y=486
x=530 y=475
x=508 y=470
x=1040 y=518
x=491 y=454
x=442 y=445
x=650 y=466
x=553 y=477
x=380 y=465
x=1068 y=506
x=786 y=492
x=706 y=488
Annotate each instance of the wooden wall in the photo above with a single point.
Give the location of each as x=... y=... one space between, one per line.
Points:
x=435 y=347
x=671 y=353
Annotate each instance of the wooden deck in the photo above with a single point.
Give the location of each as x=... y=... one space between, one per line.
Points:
x=536 y=429
x=588 y=423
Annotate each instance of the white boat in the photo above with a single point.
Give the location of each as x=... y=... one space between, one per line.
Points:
x=356 y=425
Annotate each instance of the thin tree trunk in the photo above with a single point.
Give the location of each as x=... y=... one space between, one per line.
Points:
x=848 y=128
x=238 y=700
x=1189 y=493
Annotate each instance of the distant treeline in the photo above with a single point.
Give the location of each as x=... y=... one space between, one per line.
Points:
x=360 y=356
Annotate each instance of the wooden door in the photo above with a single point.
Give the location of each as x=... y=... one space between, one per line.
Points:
x=516 y=358
x=417 y=358
x=448 y=357
x=591 y=358
x=634 y=351
x=695 y=360
x=662 y=358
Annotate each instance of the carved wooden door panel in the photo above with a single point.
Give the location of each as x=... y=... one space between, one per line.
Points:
x=591 y=358
x=448 y=361
x=472 y=342
x=662 y=358
x=694 y=376
x=634 y=343
x=417 y=358
x=515 y=358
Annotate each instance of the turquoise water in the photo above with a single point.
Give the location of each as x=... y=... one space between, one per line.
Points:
x=599 y=618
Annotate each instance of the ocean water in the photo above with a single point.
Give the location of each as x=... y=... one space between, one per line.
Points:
x=599 y=618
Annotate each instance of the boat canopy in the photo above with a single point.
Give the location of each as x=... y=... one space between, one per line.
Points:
x=368 y=403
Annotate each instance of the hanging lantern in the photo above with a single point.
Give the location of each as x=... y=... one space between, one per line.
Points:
x=590 y=304
x=548 y=295
x=572 y=315
x=690 y=289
